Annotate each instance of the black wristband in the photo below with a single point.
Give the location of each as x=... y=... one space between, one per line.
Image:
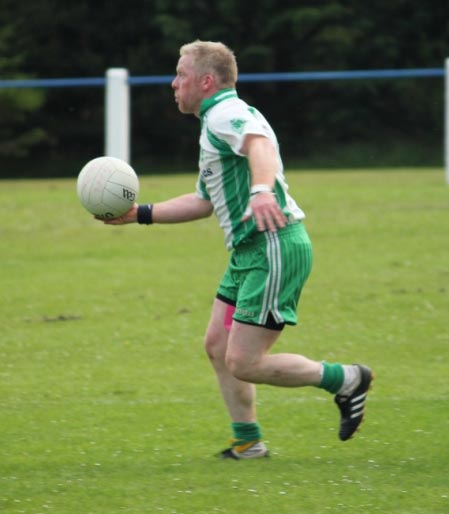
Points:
x=145 y=214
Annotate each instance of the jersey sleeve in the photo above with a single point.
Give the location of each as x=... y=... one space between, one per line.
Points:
x=238 y=123
x=201 y=190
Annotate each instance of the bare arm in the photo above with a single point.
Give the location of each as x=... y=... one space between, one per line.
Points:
x=187 y=207
x=263 y=163
x=262 y=159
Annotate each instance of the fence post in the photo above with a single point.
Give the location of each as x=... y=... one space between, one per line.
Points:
x=117 y=112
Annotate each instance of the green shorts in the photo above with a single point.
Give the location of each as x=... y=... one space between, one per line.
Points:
x=265 y=277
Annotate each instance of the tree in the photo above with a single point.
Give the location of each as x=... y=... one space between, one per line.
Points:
x=48 y=39
x=17 y=106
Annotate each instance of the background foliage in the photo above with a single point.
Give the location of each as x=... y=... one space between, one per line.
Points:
x=51 y=39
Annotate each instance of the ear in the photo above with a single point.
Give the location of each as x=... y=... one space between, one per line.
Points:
x=208 y=82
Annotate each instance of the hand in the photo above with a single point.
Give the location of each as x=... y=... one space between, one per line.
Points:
x=129 y=217
x=266 y=211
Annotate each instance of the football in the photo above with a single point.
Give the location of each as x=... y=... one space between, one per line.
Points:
x=107 y=187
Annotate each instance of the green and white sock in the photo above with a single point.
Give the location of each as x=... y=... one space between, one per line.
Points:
x=332 y=377
x=339 y=379
x=351 y=381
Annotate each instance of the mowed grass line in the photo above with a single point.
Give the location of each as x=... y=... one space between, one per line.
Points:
x=108 y=403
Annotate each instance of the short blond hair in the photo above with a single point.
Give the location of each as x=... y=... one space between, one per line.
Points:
x=215 y=58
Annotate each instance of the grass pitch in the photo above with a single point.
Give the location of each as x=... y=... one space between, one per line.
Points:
x=108 y=404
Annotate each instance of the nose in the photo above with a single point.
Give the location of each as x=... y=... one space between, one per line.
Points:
x=174 y=83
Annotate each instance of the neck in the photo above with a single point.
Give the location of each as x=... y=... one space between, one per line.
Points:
x=216 y=97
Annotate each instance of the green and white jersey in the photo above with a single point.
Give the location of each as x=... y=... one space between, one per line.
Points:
x=225 y=177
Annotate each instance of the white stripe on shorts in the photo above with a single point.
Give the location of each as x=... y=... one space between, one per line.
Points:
x=273 y=283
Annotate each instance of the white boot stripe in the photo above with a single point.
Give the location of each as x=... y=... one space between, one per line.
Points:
x=357 y=413
x=360 y=397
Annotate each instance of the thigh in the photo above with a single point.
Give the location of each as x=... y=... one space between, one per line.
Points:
x=247 y=344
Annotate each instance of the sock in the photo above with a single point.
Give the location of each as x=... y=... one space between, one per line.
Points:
x=332 y=377
x=351 y=381
x=246 y=432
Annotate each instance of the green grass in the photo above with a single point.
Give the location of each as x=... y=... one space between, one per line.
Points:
x=108 y=404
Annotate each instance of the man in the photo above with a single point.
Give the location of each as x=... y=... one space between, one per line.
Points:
x=241 y=180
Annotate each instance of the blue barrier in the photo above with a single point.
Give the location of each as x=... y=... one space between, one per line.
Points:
x=243 y=77
x=37 y=83
x=342 y=75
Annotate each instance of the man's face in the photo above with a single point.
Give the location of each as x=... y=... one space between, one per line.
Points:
x=187 y=86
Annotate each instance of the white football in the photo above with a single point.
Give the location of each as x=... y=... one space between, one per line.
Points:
x=107 y=187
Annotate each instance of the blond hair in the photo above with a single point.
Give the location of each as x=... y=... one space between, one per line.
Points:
x=214 y=58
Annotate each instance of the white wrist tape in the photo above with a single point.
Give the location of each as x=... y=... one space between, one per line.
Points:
x=260 y=188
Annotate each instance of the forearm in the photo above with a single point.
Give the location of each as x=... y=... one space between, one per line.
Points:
x=176 y=210
x=264 y=164
x=183 y=208
x=262 y=160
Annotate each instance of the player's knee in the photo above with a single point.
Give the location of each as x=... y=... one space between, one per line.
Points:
x=239 y=368
x=215 y=345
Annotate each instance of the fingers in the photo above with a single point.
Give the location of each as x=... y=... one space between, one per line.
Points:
x=111 y=221
x=266 y=212
x=270 y=221
x=115 y=221
x=128 y=217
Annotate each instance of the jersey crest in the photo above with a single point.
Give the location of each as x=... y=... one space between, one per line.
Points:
x=238 y=125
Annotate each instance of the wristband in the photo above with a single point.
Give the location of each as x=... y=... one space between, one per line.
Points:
x=145 y=214
x=260 y=188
